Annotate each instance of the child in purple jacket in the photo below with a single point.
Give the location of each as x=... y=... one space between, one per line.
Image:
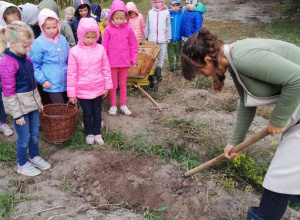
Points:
x=121 y=46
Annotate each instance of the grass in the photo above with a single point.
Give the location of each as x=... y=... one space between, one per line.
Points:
x=6 y=205
x=77 y=141
x=151 y=215
x=65 y=185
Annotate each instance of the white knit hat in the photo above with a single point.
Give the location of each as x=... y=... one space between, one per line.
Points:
x=191 y=1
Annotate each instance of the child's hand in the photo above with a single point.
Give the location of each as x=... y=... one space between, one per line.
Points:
x=105 y=93
x=46 y=85
x=168 y=41
x=73 y=100
x=133 y=63
x=21 y=121
x=41 y=108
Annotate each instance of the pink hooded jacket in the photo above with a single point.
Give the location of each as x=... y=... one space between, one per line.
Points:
x=88 y=74
x=120 y=42
x=137 y=23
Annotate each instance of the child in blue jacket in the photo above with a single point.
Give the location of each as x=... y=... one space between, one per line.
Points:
x=192 y=19
x=174 y=47
x=49 y=53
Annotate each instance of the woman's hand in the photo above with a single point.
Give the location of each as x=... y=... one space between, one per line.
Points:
x=47 y=85
x=105 y=93
x=21 y=121
x=73 y=101
x=273 y=130
x=227 y=149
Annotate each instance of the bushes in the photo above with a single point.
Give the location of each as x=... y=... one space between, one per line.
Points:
x=291 y=8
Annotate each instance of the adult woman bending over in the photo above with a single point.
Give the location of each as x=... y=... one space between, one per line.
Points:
x=263 y=68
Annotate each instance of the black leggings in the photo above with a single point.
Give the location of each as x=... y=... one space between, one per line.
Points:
x=273 y=205
x=58 y=97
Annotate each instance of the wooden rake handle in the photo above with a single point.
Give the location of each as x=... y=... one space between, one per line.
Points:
x=259 y=135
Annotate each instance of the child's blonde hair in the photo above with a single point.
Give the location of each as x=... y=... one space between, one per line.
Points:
x=17 y=31
x=70 y=8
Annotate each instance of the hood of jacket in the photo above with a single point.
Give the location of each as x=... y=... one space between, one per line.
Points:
x=132 y=7
x=118 y=5
x=77 y=3
x=50 y=4
x=96 y=10
x=3 y=7
x=43 y=15
x=30 y=13
x=87 y=25
x=200 y=8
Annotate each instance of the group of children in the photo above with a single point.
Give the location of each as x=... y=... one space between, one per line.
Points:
x=43 y=50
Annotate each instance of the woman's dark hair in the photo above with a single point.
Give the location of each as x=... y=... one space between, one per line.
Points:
x=11 y=10
x=196 y=48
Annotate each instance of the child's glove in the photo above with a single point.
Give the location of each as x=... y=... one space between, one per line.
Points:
x=133 y=63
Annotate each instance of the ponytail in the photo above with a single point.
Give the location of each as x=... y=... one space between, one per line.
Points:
x=194 y=51
x=3 y=42
x=16 y=31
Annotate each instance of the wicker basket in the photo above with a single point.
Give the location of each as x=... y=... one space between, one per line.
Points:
x=58 y=122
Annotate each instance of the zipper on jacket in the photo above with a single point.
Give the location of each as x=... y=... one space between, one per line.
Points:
x=175 y=28
x=157 y=28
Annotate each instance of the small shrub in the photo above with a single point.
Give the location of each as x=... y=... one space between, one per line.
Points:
x=202 y=82
x=265 y=111
x=112 y=138
x=248 y=169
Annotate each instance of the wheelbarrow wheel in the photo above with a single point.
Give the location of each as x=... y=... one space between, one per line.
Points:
x=153 y=82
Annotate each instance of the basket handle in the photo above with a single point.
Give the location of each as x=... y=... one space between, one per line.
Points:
x=75 y=105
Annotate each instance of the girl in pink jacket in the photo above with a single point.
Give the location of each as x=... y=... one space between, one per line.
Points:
x=136 y=21
x=89 y=77
x=122 y=49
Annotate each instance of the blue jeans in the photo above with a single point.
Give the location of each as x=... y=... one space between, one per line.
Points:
x=28 y=137
x=91 y=115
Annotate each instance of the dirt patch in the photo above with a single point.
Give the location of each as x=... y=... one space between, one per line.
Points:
x=244 y=11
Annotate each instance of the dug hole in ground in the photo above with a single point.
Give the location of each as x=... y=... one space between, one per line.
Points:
x=109 y=184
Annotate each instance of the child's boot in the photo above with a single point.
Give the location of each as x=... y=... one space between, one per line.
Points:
x=158 y=74
x=125 y=110
x=252 y=214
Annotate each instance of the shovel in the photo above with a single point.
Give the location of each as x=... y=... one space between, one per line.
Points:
x=259 y=135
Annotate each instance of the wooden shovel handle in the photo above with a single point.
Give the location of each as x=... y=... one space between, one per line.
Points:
x=259 y=135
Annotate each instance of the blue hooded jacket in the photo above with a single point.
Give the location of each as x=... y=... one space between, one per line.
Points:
x=192 y=20
x=176 y=19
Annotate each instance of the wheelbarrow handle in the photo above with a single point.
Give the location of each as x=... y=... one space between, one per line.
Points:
x=259 y=135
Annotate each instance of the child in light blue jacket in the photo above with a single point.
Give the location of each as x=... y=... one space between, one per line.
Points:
x=49 y=54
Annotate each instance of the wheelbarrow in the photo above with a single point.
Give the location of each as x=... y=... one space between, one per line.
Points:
x=143 y=73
